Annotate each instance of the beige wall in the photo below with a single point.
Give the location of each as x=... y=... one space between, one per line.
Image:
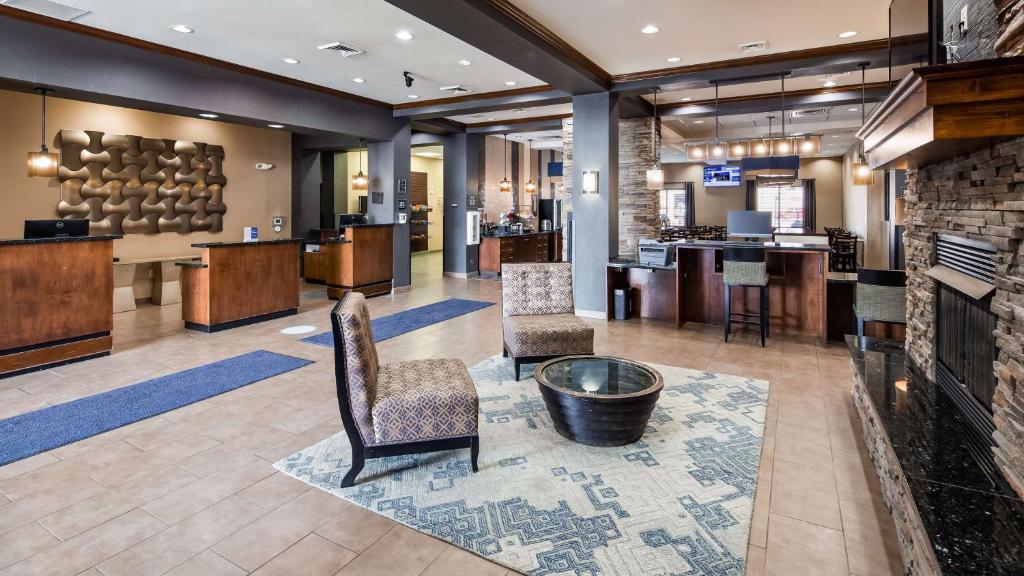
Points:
x=863 y=211
x=713 y=204
x=434 y=167
x=252 y=197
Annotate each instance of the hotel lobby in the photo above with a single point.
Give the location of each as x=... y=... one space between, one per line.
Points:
x=496 y=287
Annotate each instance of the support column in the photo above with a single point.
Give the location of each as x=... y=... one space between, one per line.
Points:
x=389 y=163
x=461 y=180
x=595 y=216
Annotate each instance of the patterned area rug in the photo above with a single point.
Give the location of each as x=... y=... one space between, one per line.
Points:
x=678 y=501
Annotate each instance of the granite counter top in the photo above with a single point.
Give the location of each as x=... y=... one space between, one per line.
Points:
x=974 y=519
x=15 y=241
x=624 y=262
x=240 y=243
x=366 y=225
x=514 y=234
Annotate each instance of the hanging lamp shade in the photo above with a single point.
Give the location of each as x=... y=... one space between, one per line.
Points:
x=531 y=186
x=862 y=175
x=696 y=152
x=43 y=163
x=360 y=181
x=655 y=175
x=505 y=185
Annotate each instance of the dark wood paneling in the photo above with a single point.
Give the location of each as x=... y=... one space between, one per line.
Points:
x=653 y=293
x=313 y=267
x=54 y=354
x=365 y=260
x=55 y=290
x=538 y=247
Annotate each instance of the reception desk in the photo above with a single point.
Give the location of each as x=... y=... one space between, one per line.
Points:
x=361 y=259
x=239 y=283
x=56 y=301
x=692 y=290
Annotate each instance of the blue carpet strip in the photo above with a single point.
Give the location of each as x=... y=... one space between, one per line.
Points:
x=31 y=433
x=413 y=319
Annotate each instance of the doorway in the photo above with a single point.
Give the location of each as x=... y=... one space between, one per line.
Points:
x=426 y=212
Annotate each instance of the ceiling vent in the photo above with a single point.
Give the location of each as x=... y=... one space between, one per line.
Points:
x=346 y=50
x=756 y=46
x=47 y=8
x=810 y=112
x=456 y=89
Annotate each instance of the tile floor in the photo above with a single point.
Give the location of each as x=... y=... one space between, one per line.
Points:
x=193 y=491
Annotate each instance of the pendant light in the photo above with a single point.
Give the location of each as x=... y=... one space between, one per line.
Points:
x=862 y=175
x=531 y=186
x=360 y=181
x=505 y=185
x=655 y=175
x=716 y=151
x=43 y=164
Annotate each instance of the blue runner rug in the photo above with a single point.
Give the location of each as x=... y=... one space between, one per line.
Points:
x=408 y=320
x=31 y=433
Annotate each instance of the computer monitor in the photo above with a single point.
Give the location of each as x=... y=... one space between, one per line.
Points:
x=749 y=224
x=345 y=220
x=56 y=228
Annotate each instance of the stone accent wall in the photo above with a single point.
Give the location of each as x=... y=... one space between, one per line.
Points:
x=982 y=31
x=638 y=206
x=980 y=196
x=1010 y=14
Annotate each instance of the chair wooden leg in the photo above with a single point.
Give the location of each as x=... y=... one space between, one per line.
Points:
x=726 y=307
x=357 y=466
x=474 y=452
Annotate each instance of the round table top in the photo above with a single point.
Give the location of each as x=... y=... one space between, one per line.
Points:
x=598 y=377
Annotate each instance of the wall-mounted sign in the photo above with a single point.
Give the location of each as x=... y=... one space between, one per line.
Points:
x=403 y=186
x=471 y=201
x=376 y=197
x=401 y=204
x=402 y=217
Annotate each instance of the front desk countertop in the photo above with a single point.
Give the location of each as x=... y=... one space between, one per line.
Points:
x=514 y=234
x=241 y=243
x=16 y=241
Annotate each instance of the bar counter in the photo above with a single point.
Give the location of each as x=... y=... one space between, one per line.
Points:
x=56 y=301
x=692 y=290
x=240 y=283
x=499 y=249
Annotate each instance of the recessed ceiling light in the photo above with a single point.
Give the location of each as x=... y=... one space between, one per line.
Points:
x=830 y=83
x=275 y=125
x=836 y=136
x=359 y=80
x=673 y=59
x=848 y=34
x=289 y=60
x=698 y=121
x=649 y=29
x=686 y=99
x=519 y=110
x=182 y=29
x=464 y=62
x=403 y=35
x=208 y=115
x=511 y=83
x=853 y=109
x=413 y=96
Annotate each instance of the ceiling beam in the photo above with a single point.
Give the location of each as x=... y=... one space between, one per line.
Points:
x=438 y=126
x=502 y=30
x=809 y=62
x=518 y=125
x=481 y=103
x=795 y=99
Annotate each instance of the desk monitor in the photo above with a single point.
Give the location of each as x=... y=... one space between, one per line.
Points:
x=56 y=228
x=750 y=224
x=356 y=219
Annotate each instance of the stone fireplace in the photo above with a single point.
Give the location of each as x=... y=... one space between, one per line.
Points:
x=979 y=197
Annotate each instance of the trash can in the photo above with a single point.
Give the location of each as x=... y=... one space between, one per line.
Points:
x=621 y=304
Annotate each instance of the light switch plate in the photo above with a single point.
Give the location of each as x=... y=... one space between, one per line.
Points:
x=963 y=18
x=402 y=217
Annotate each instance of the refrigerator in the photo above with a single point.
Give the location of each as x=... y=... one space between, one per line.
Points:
x=549 y=209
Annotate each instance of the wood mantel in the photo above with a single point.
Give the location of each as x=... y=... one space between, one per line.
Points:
x=938 y=112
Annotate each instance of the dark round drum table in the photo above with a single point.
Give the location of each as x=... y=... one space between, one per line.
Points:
x=599 y=400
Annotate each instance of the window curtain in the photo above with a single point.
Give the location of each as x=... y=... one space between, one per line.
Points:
x=752 y=194
x=810 y=205
x=691 y=217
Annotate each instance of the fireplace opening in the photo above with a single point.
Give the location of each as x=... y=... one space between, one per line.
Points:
x=965 y=345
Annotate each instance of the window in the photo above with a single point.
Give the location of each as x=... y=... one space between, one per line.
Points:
x=673 y=207
x=785 y=202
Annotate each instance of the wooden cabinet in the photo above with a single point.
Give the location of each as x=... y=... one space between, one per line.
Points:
x=536 y=247
x=313 y=267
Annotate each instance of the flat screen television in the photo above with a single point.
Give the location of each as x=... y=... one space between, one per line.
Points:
x=726 y=175
x=56 y=228
x=749 y=224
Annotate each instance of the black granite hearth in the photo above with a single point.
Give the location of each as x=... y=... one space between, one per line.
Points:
x=972 y=517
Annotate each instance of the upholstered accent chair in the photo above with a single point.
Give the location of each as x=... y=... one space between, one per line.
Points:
x=403 y=408
x=538 y=314
x=881 y=297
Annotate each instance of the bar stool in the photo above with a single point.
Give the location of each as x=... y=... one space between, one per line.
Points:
x=881 y=297
x=745 y=266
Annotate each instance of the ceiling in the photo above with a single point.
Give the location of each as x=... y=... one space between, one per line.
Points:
x=700 y=31
x=542 y=139
x=516 y=114
x=259 y=34
x=435 y=152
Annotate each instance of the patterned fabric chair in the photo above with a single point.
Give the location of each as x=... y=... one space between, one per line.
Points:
x=745 y=266
x=881 y=297
x=539 y=320
x=403 y=408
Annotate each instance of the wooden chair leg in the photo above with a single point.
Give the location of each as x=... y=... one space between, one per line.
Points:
x=357 y=466
x=725 y=307
x=474 y=452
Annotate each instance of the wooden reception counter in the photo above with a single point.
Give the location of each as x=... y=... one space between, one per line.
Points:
x=239 y=283
x=691 y=290
x=361 y=260
x=56 y=301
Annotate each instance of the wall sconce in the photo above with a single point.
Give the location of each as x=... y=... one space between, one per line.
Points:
x=590 y=182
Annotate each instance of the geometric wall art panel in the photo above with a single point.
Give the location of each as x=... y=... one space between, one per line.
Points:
x=135 y=185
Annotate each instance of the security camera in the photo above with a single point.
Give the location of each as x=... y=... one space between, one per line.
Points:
x=408 y=79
